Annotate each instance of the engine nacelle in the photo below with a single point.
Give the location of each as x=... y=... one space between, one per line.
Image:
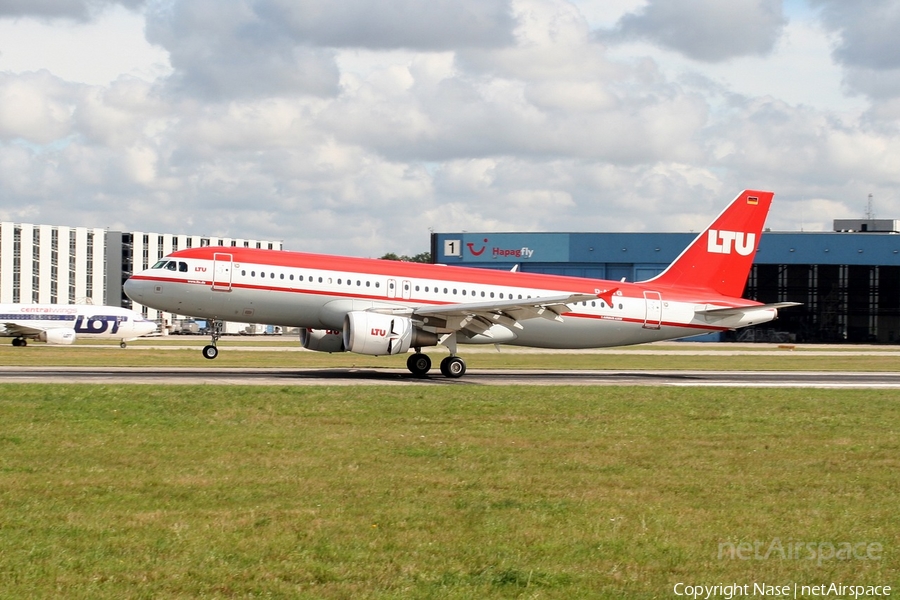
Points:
x=61 y=336
x=377 y=334
x=322 y=340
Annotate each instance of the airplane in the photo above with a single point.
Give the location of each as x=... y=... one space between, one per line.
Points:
x=61 y=324
x=379 y=307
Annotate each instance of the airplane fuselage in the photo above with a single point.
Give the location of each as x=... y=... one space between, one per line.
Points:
x=294 y=289
x=62 y=323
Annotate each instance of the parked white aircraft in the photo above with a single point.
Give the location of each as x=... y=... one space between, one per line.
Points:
x=62 y=323
x=379 y=307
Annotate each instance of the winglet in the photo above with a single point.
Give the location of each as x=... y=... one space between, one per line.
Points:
x=719 y=259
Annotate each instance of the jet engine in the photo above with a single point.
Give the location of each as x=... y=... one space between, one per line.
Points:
x=61 y=336
x=322 y=340
x=377 y=334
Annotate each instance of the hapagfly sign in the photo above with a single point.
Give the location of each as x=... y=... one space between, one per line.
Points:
x=504 y=247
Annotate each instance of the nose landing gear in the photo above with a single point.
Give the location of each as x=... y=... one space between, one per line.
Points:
x=215 y=330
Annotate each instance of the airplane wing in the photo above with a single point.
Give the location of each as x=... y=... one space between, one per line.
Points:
x=474 y=318
x=18 y=330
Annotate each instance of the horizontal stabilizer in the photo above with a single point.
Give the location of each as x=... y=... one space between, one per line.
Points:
x=726 y=311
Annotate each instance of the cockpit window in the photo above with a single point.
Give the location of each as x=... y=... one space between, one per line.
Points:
x=159 y=265
x=182 y=267
x=171 y=266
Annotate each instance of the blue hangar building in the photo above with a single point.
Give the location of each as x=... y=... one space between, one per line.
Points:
x=848 y=280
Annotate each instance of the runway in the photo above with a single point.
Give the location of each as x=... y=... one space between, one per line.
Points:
x=475 y=377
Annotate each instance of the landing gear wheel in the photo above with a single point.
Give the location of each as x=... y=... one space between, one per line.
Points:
x=453 y=367
x=418 y=364
x=215 y=332
x=123 y=345
x=19 y=342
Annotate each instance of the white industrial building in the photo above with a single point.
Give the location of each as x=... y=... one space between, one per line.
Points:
x=78 y=265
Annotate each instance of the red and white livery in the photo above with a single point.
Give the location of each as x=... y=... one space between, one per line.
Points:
x=380 y=307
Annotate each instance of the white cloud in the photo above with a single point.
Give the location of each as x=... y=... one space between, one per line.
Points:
x=97 y=52
x=245 y=121
x=36 y=108
x=705 y=30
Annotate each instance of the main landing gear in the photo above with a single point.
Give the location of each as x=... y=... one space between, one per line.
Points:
x=419 y=364
x=215 y=328
x=19 y=341
x=452 y=366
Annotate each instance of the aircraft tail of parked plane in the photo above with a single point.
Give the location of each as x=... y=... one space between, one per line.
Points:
x=61 y=324
x=378 y=307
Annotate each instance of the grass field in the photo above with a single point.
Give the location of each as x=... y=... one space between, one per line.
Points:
x=370 y=492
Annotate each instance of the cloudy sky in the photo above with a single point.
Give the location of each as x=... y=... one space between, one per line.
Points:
x=356 y=126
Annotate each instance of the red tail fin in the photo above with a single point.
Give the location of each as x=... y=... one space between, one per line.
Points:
x=719 y=259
